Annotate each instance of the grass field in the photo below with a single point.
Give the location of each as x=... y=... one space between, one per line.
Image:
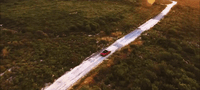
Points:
x=42 y=39
x=163 y=58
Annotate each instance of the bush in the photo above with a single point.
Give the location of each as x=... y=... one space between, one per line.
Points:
x=177 y=56
x=145 y=83
x=96 y=88
x=189 y=50
x=154 y=87
x=150 y=75
x=88 y=28
x=73 y=28
x=41 y=34
x=94 y=26
x=2 y=69
x=107 y=81
x=103 y=42
x=107 y=30
x=172 y=31
x=136 y=88
x=164 y=42
x=101 y=22
x=85 y=88
x=164 y=55
x=174 y=45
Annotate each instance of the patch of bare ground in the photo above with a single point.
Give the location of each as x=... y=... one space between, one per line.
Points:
x=9 y=30
x=107 y=38
x=109 y=63
x=116 y=34
x=126 y=51
x=88 y=80
x=110 y=38
x=5 y=52
x=137 y=42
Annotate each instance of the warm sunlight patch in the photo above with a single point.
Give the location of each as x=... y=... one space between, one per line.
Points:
x=88 y=80
x=150 y=1
x=190 y=3
x=163 y=1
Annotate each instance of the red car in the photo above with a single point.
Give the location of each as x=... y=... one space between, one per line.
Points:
x=105 y=52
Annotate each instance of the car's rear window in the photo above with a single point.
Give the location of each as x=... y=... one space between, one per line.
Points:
x=105 y=51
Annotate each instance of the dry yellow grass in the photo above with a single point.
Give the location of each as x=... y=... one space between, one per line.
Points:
x=109 y=63
x=139 y=42
x=109 y=39
x=88 y=80
x=5 y=52
x=116 y=34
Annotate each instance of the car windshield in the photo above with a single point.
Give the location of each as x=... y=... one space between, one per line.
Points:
x=105 y=51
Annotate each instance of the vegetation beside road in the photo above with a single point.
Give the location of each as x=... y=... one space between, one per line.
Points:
x=42 y=39
x=163 y=58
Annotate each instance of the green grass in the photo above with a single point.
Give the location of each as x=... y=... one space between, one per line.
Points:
x=42 y=39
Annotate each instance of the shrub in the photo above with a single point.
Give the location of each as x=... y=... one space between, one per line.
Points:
x=73 y=28
x=164 y=42
x=107 y=30
x=94 y=26
x=101 y=22
x=85 y=88
x=144 y=37
x=174 y=45
x=169 y=87
x=171 y=50
x=5 y=51
x=121 y=69
x=2 y=68
x=189 y=50
x=125 y=50
x=92 y=40
x=6 y=32
x=122 y=83
x=177 y=56
x=106 y=81
x=172 y=31
x=164 y=55
x=136 y=88
x=154 y=87
x=41 y=34
x=113 y=23
x=104 y=87
x=197 y=57
x=87 y=28
x=145 y=83
x=150 y=75
x=96 y=88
